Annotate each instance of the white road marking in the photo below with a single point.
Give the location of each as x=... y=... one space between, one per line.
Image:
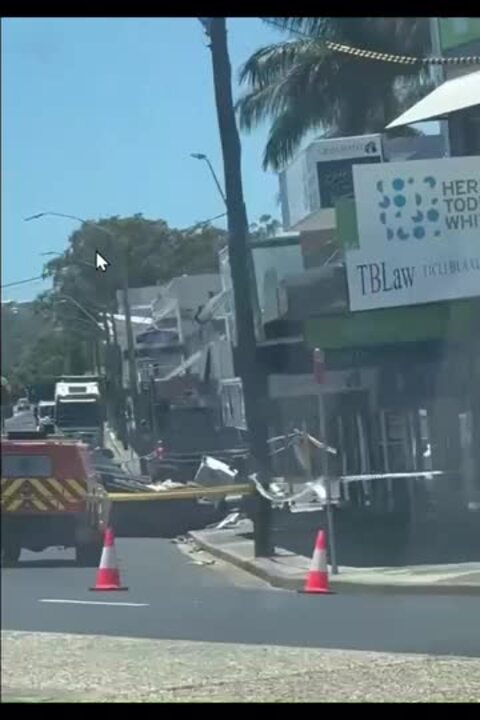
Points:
x=92 y=602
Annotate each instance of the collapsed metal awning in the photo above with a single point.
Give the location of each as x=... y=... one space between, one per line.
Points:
x=214 y=304
x=457 y=94
x=187 y=364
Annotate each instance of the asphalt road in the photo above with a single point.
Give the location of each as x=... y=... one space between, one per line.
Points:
x=171 y=598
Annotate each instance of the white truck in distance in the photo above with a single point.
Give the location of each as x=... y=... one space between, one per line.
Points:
x=79 y=410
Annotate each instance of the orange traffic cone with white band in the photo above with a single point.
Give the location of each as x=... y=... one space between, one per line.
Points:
x=317 y=577
x=108 y=576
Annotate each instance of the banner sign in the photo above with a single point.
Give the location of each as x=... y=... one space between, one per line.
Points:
x=418 y=233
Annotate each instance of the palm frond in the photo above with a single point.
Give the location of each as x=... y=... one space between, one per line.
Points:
x=317 y=27
x=299 y=85
x=272 y=62
x=286 y=134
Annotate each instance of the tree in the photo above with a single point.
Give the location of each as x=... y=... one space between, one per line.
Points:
x=20 y=327
x=266 y=227
x=40 y=339
x=154 y=253
x=5 y=408
x=301 y=86
x=50 y=355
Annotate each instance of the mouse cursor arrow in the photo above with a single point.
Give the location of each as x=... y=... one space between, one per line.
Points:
x=101 y=262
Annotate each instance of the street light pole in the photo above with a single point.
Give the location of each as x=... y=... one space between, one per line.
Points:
x=202 y=156
x=132 y=365
x=252 y=375
x=92 y=320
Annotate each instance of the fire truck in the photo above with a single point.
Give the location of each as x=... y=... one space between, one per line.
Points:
x=50 y=497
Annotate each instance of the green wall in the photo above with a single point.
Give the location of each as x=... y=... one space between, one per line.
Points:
x=450 y=321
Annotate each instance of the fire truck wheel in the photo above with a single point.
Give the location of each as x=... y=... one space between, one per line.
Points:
x=10 y=554
x=89 y=555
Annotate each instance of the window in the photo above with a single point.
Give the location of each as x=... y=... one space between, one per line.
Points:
x=20 y=466
x=80 y=414
x=335 y=179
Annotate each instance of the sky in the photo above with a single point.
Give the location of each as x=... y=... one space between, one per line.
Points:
x=99 y=117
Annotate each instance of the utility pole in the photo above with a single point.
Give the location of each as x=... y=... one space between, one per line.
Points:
x=252 y=375
x=132 y=369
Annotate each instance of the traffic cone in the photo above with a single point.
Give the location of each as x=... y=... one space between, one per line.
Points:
x=317 y=577
x=108 y=576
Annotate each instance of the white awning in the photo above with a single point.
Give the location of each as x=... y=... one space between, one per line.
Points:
x=457 y=94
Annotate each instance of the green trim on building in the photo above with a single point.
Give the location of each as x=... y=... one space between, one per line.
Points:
x=449 y=321
x=347 y=228
x=456 y=32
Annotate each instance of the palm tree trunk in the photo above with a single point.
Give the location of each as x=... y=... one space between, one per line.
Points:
x=253 y=379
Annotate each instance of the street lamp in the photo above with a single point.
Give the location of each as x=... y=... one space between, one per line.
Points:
x=68 y=298
x=91 y=321
x=128 y=317
x=202 y=156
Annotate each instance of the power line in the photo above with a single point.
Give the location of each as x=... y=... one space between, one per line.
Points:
x=383 y=57
x=22 y=282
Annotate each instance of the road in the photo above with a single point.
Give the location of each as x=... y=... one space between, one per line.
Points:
x=187 y=629
x=169 y=597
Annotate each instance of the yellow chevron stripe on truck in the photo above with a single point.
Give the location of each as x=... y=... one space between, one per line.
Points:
x=44 y=495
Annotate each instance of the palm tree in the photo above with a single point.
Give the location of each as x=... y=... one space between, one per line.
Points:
x=300 y=86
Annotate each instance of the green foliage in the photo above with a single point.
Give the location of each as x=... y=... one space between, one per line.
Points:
x=35 y=347
x=299 y=86
x=148 y=252
x=266 y=227
x=18 y=322
x=53 y=335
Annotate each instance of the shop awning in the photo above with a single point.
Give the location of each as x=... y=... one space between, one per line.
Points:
x=457 y=94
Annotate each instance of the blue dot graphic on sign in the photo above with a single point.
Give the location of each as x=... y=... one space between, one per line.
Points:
x=408 y=211
x=385 y=203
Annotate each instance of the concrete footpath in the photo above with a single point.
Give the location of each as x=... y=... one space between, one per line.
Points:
x=287 y=570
